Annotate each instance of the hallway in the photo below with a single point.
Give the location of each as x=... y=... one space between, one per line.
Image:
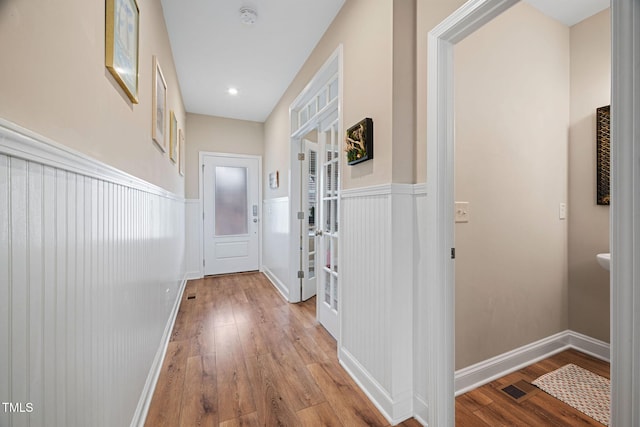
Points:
x=241 y=355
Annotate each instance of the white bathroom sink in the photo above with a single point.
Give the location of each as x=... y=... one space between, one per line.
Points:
x=604 y=260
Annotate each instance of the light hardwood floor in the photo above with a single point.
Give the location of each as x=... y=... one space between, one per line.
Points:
x=240 y=355
x=488 y=406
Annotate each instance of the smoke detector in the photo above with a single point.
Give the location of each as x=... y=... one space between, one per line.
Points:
x=248 y=16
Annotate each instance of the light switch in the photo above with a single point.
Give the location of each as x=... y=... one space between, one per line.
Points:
x=563 y=211
x=462 y=212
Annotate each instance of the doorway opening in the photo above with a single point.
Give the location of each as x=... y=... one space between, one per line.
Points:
x=439 y=291
x=315 y=193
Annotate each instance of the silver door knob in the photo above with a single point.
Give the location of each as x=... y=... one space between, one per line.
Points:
x=255 y=219
x=318 y=232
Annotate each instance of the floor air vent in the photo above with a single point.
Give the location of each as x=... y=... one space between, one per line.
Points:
x=520 y=391
x=192 y=296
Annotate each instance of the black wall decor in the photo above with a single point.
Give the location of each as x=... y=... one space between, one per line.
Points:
x=359 y=142
x=603 y=150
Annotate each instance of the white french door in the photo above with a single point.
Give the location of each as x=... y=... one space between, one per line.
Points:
x=231 y=208
x=326 y=222
x=309 y=199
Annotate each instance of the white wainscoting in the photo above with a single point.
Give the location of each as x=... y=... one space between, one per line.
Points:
x=275 y=243
x=91 y=270
x=376 y=314
x=420 y=377
x=193 y=235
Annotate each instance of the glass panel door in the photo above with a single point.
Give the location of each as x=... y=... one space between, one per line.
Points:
x=327 y=254
x=308 y=223
x=231 y=210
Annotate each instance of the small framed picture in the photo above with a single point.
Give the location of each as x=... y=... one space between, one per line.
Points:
x=159 y=107
x=603 y=155
x=359 y=142
x=121 y=38
x=173 y=137
x=181 y=159
x=274 y=180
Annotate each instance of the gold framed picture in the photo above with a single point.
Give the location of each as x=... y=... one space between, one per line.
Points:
x=121 y=51
x=181 y=151
x=159 y=107
x=173 y=138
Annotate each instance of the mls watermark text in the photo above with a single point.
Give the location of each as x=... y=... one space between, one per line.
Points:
x=16 y=407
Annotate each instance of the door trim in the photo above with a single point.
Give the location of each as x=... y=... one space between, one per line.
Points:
x=201 y=156
x=324 y=74
x=625 y=226
x=625 y=223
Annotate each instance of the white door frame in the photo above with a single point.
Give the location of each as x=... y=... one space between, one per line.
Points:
x=625 y=226
x=332 y=66
x=625 y=206
x=201 y=156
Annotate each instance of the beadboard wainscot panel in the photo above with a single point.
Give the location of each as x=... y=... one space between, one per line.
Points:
x=193 y=235
x=419 y=315
x=275 y=249
x=91 y=274
x=376 y=348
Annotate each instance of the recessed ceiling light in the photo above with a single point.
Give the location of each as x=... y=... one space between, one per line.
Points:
x=232 y=91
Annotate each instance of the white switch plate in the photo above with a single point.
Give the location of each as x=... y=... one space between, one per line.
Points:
x=563 y=211
x=462 y=212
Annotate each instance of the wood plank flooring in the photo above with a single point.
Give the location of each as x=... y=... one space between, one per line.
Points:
x=488 y=406
x=240 y=355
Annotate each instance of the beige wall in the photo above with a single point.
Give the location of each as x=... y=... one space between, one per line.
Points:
x=429 y=13
x=512 y=116
x=53 y=81
x=217 y=134
x=368 y=89
x=404 y=92
x=588 y=222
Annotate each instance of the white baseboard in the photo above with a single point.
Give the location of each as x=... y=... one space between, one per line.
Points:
x=420 y=410
x=194 y=275
x=474 y=376
x=276 y=282
x=142 y=409
x=591 y=346
x=394 y=411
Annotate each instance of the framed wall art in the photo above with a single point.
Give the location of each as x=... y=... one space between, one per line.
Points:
x=274 y=180
x=181 y=159
x=173 y=137
x=359 y=142
x=121 y=51
x=603 y=153
x=159 y=107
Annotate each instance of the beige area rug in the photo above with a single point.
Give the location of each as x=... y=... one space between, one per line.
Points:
x=589 y=393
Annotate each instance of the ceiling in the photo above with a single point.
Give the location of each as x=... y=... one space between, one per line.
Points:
x=214 y=51
x=569 y=12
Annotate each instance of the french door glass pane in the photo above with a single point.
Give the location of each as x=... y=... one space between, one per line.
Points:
x=336 y=176
x=334 y=241
x=327 y=216
x=312 y=266
x=327 y=290
x=231 y=201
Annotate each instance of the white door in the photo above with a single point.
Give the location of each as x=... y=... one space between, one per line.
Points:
x=326 y=244
x=309 y=199
x=231 y=207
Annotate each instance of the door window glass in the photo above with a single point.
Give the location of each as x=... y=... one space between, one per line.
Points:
x=230 y=201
